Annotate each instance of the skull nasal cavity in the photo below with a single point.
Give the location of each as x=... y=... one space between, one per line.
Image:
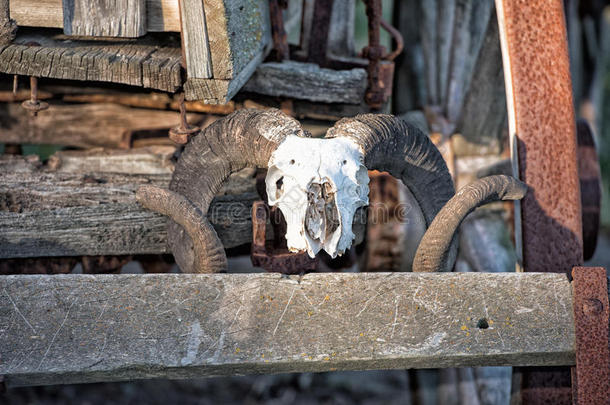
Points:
x=322 y=216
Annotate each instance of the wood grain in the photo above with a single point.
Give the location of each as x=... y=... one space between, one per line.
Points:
x=307 y=81
x=83 y=125
x=195 y=39
x=62 y=210
x=147 y=63
x=105 y=18
x=81 y=328
x=162 y=15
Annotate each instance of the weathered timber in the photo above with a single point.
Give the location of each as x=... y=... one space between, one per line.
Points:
x=146 y=63
x=160 y=101
x=82 y=328
x=308 y=81
x=161 y=15
x=220 y=91
x=74 y=212
x=195 y=41
x=238 y=32
x=8 y=27
x=483 y=114
x=105 y=18
x=83 y=125
x=148 y=160
x=341 y=30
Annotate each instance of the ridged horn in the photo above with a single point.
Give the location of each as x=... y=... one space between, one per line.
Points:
x=245 y=138
x=433 y=249
x=392 y=145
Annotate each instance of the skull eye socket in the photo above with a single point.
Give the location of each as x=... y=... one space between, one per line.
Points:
x=278 y=187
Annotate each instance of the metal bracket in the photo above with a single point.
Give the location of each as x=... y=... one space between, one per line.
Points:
x=591 y=376
x=273 y=256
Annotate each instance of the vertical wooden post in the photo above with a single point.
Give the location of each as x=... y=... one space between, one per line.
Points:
x=105 y=18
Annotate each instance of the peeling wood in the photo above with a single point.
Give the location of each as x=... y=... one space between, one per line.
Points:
x=81 y=328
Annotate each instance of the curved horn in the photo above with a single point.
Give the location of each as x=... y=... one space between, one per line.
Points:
x=208 y=250
x=245 y=138
x=433 y=250
x=390 y=144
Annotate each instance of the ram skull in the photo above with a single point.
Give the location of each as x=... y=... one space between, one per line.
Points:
x=318 y=184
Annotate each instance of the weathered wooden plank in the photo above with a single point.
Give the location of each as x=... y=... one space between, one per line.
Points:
x=221 y=91
x=105 y=18
x=195 y=41
x=161 y=15
x=80 y=328
x=308 y=81
x=238 y=32
x=75 y=211
x=147 y=160
x=83 y=125
x=147 y=63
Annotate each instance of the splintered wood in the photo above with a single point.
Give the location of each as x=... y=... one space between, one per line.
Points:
x=81 y=328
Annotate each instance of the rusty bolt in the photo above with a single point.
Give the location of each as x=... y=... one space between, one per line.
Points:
x=592 y=306
x=182 y=132
x=33 y=104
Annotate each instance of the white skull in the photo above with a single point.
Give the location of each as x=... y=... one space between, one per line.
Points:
x=318 y=184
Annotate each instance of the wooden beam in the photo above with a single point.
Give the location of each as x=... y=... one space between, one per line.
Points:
x=83 y=125
x=80 y=328
x=306 y=81
x=105 y=18
x=146 y=63
x=80 y=205
x=161 y=15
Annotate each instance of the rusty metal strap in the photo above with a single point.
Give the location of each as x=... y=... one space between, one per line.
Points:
x=591 y=382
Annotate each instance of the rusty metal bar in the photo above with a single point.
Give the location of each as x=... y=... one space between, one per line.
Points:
x=591 y=382
x=270 y=255
x=543 y=132
x=280 y=39
x=318 y=36
x=541 y=118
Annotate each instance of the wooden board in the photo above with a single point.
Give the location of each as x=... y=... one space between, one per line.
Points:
x=83 y=125
x=146 y=63
x=161 y=15
x=220 y=91
x=80 y=328
x=306 y=81
x=195 y=39
x=63 y=209
x=105 y=18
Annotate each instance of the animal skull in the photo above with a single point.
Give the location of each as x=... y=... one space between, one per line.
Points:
x=318 y=184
